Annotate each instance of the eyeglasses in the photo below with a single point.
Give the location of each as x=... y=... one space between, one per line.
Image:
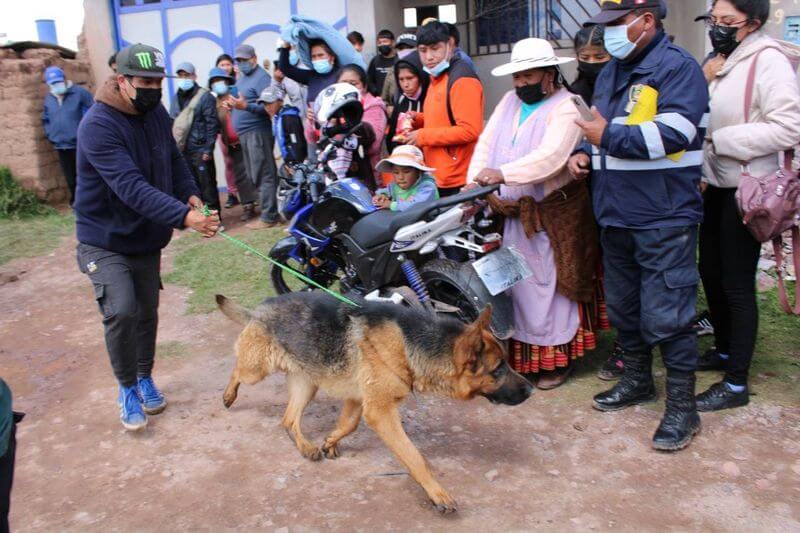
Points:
x=711 y=21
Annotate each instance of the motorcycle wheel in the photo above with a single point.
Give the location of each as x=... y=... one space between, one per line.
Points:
x=284 y=283
x=446 y=283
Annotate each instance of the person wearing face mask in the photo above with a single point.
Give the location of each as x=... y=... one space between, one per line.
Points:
x=324 y=67
x=224 y=62
x=220 y=83
x=254 y=128
x=64 y=107
x=728 y=252
x=525 y=147
x=196 y=126
x=382 y=64
x=406 y=45
x=453 y=118
x=134 y=188
x=592 y=57
x=643 y=150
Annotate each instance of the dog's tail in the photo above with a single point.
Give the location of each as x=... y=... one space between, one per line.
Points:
x=234 y=311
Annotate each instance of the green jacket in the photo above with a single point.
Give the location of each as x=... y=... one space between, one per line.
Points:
x=6 y=417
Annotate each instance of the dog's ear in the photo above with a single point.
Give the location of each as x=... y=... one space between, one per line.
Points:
x=485 y=319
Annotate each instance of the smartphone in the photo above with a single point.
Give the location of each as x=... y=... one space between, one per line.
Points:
x=234 y=91
x=583 y=109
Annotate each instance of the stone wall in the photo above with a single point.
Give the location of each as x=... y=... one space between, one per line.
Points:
x=23 y=146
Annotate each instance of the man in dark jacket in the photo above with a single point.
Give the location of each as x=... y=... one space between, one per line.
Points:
x=643 y=148
x=64 y=107
x=202 y=133
x=383 y=63
x=134 y=188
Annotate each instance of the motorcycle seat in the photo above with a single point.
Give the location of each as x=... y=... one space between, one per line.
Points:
x=380 y=226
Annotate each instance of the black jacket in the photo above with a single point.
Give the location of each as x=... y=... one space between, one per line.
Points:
x=401 y=102
x=205 y=126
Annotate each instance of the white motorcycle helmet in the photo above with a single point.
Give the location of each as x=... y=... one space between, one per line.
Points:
x=340 y=100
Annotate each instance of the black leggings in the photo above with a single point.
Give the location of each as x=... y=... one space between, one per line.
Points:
x=728 y=260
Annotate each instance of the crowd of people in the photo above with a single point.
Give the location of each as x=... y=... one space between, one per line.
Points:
x=607 y=205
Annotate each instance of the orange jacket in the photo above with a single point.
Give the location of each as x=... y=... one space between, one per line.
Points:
x=449 y=148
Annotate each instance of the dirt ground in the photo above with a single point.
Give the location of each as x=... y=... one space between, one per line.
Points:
x=551 y=464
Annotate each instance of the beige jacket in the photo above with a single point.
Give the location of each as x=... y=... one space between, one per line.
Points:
x=774 y=123
x=547 y=163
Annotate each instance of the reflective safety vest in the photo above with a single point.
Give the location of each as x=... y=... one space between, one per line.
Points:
x=646 y=171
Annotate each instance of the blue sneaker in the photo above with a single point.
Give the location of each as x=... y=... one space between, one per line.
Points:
x=153 y=401
x=130 y=409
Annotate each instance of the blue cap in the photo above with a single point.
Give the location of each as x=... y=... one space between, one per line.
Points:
x=217 y=72
x=53 y=75
x=187 y=67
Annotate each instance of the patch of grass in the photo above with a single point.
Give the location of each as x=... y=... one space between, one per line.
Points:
x=171 y=349
x=217 y=266
x=16 y=202
x=33 y=236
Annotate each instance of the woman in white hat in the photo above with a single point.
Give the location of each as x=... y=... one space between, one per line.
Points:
x=525 y=146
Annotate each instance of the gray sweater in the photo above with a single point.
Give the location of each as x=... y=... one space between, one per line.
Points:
x=255 y=116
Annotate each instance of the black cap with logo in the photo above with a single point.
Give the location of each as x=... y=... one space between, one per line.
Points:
x=141 y=60
x=611 y=10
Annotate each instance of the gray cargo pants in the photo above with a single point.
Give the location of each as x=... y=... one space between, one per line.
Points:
x=260 y=164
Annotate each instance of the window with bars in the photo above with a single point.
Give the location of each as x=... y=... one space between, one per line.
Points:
x=501 y=21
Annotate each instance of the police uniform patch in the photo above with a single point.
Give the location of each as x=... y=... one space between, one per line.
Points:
x=633 y=96
x=91 y=267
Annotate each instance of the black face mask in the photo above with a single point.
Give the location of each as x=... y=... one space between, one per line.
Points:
x=146 y=99
x=385 y=49
x=530 y=94
x=590 y=70
x=723 y=39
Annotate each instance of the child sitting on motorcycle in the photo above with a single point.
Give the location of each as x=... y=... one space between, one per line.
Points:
x=413 y=183
x=339 y=115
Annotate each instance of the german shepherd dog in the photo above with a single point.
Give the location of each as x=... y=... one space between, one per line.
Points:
x=371 y=357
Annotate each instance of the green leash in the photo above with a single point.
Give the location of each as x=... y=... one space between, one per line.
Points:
x=206 y=211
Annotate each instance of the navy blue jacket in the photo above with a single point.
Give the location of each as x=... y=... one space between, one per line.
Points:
x=645 y=175
x=255 y=117
x=60 y=120
x=205 y=126
x=133 y=183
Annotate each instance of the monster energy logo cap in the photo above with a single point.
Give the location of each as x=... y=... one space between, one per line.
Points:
x=141 y=60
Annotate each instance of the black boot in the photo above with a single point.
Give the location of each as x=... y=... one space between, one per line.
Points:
x=636 y=385
x=681 y=421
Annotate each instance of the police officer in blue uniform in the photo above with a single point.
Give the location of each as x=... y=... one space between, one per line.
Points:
x=643 y=149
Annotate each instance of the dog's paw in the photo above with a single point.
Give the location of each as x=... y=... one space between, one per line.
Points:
x=331 y=452
x=228 y=400
x=312 y=454
x=444 y=503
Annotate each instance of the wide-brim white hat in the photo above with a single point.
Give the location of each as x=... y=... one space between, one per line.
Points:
x=530 y=53
x=404 y=156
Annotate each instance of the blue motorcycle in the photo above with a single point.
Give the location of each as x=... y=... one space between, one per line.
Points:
x=336 y=235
